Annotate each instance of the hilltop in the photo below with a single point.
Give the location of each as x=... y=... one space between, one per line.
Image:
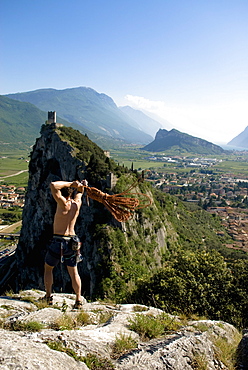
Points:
x=174 y=139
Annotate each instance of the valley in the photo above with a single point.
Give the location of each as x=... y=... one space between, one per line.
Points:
x=219 y=184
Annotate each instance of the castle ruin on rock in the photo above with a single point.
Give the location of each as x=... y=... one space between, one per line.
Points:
x=52 y=159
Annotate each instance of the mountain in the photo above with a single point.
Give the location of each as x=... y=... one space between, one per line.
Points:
x=144 y=123
x=88 y=109
x=175 y=139
x=20 y=124
x=240 y=141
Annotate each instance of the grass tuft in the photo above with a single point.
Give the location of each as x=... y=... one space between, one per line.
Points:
x=226 y=352
x=123 y=344
x=31 y=326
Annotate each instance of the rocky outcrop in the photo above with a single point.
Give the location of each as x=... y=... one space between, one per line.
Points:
x=165 y=140
x=193 y=344
x=51 y=160
x=55 y=156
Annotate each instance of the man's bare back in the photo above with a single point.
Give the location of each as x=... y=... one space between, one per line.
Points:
x=67 y=209
x=65 y=219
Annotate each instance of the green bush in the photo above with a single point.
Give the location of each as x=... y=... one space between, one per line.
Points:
x=201 y=283
x=91 y=360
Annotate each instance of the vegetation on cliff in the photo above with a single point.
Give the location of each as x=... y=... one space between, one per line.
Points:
x=193 y=273
x=98 y=164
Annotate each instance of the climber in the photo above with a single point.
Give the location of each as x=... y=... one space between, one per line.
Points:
x=65 y=245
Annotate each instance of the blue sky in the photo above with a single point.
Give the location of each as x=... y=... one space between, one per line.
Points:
x=184 y=60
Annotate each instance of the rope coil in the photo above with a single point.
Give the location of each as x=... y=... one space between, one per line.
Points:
x=119 y=205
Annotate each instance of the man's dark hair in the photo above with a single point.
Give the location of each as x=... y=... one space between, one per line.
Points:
x=67 y=192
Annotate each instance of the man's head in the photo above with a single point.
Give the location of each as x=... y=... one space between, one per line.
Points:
x=67 y=192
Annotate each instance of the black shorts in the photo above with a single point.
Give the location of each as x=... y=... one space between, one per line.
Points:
x=59 y=250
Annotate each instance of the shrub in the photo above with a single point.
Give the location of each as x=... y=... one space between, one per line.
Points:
x=58 y=346
x=92 y=361
x=97 y=363
x=139 y=308
x=104 y=316
x=225 y=351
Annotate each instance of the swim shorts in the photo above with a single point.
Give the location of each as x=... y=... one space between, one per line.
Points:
x=59 y=250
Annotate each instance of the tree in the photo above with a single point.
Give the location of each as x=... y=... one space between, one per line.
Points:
x=194 y=282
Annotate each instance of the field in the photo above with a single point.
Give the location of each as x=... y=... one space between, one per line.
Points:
x=236 y=163
x=129 y=156
x=11 y=164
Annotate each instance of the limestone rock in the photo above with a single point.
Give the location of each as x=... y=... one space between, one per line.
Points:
x=187 y=348
x=18 y=351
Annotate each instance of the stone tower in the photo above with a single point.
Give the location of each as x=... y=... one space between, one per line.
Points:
x=51 y=117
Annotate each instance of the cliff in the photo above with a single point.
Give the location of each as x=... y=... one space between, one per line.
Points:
x=115 y=255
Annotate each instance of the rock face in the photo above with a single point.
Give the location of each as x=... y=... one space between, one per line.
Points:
x=52 y=159
x=192 y=345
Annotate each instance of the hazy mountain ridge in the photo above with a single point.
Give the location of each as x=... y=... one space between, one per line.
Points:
x=240 y=140
x=20 y=124
x=144 y=123
x=165 y=140
x=89 y=109
x=96 y=115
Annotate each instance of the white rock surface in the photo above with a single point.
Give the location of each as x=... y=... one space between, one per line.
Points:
x=28 y=350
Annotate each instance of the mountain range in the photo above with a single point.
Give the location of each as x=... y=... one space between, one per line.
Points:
x=88 y=109
x=144 y=122
x=94 y=114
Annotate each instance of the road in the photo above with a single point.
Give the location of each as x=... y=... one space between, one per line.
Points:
x=11 y=228
x=14 y=174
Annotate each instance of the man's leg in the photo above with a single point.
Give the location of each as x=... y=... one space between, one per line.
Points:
x=76 y=281
x=48 y=279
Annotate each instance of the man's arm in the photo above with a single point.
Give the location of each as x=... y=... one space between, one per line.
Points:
x=56 y=187
x=80 y=190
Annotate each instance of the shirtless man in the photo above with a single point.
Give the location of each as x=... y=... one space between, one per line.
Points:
x=63 y=229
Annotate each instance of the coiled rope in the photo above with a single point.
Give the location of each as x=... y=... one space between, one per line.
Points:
x=120 y=205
